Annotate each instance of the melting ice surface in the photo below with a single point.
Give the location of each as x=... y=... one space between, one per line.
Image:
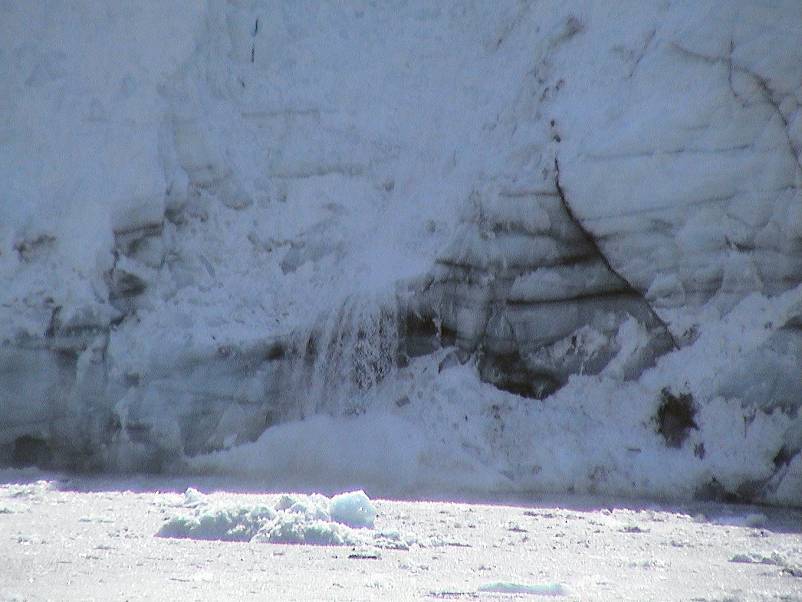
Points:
x=354 y=347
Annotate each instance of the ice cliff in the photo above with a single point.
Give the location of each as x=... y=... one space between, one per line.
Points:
x=577 y=224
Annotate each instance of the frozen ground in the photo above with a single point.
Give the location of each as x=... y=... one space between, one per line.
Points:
x=81 y=538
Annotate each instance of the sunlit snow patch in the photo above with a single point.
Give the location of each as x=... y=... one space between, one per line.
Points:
x=345 y=519
x=538 y=589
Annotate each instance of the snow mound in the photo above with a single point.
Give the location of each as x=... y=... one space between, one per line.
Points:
x=345 y=519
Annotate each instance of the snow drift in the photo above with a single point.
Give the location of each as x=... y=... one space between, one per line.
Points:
x=509 y=246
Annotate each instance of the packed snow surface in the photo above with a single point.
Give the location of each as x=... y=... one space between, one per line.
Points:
x=405 y=247
x=69 y=538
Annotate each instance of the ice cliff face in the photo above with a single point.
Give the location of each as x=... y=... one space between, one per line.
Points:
x=221 y=217
x=664 y=177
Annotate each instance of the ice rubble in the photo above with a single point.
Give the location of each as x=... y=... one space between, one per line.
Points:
x=283 y=211
x=344 y=519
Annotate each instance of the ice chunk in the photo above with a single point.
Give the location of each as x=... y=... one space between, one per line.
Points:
x=219 y=523
x=787 y=567
x=538 y=589
x=193 y=497
x=314 y=519
x=296 y=529
x=353 y=509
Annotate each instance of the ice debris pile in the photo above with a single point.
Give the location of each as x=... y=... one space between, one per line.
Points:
x=347 y=519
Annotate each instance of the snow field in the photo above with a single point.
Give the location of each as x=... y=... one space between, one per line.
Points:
x=96 y=538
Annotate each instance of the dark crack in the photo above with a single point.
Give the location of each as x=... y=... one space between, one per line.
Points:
x=642 y=52
x=769 y=94
x=626 y=286
x=770 y=97
x=729 y=75
x=669 y=152
x=510 y=27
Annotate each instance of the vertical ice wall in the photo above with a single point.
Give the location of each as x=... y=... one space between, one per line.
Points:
x=82 y=122
x=218 y=216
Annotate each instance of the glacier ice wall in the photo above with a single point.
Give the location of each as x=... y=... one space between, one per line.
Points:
x=220 y=217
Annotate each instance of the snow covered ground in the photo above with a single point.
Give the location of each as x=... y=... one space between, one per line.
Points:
x=143 y=538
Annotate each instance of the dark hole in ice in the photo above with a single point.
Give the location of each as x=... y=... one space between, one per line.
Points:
x=419 y=335
x=311 y=348
x=783 y=457
x=31 y=451
x=713 y=491
x=275 y=352
x=509 y=373
x=128 y=285
x=675 y=417
x=748 y=491
x=65 y=357
x=448 y=337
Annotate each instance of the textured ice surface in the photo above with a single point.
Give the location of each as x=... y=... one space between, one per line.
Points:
x=293 y=519
x=353 y=509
